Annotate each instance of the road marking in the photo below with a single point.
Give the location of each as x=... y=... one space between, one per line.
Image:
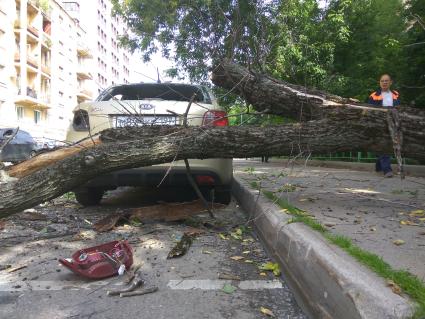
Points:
x=209 y=284
x=202 y=284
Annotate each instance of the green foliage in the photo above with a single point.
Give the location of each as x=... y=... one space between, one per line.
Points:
x=341 y=48
x=413 y=85
x=197 y=33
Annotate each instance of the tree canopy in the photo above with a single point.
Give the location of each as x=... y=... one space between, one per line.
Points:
x=341 y=47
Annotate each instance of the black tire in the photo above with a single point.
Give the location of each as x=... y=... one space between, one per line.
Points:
x=89 y=196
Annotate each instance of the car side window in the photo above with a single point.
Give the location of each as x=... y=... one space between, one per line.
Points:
x=8 y=133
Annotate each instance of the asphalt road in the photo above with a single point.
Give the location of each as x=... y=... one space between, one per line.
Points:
x=189 y=286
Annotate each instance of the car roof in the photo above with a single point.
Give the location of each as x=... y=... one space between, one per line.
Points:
x=181 y=91
x=4 y=130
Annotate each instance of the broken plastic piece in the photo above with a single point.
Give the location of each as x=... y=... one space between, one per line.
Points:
x=121 y=270
x=100 y=261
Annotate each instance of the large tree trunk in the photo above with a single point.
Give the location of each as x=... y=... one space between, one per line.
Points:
x=337 y=125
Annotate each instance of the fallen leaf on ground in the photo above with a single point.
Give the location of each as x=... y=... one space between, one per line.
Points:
x=267 y=312
x=274 y=267
x=206 y=252
x=408 y=223
x=418 y=212
x=236 y=236
x=246 y=252
x=237 y=257
x=372 y=228
x=193 y=231
x=228 y=289
x=181 y=247
x=84 y=235
x=394 y=287
x=222 y=236
x=249 y=261
x=398 y=242
x=107 y=223
x=263 y=274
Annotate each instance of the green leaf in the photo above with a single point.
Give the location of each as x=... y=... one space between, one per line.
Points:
x=228 y=289
x=274 y=267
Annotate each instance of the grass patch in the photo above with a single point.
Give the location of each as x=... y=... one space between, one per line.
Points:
x=254 y=185
x=409 y=283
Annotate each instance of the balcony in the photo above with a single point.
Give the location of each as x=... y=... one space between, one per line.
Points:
x=46 y=41
x=83 y=50
x=32 y=30
x=31 y=99
x=83 y=73
x=46 y=69
x=84 y=95
x=31 y=61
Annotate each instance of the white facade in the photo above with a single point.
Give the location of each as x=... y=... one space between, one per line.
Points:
x=44 y=67
x=7 y=69
x=111 y=61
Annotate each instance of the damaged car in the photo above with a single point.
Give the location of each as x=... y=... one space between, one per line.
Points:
x=144 y=104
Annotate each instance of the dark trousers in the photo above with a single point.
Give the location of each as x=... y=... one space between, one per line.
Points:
x=383 y=164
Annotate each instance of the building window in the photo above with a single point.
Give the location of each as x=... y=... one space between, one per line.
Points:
x=37 y=116
x=20 y=112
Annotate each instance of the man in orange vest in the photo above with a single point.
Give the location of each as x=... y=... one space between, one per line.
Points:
x=384 y=97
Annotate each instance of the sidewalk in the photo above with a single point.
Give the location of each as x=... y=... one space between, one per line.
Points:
x=383 y=216
x=361 y=205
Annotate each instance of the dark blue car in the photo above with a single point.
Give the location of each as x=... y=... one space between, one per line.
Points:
x=19 y=149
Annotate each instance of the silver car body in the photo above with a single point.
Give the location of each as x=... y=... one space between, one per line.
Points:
x=151 y=104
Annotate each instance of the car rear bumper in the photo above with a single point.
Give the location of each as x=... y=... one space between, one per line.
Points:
x=219 y=169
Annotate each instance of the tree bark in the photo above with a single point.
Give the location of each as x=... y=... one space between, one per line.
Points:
x=331 y=124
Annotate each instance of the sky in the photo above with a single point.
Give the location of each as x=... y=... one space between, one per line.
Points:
x=147 y=72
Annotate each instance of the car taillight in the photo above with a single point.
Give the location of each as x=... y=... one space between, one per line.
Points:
x=81 y=121
x=205 y=180
x=215 y=118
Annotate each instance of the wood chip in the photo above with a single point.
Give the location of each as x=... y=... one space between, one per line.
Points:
x=10 y=270
x=139 y=292
x=237 y=258
x=227 y=276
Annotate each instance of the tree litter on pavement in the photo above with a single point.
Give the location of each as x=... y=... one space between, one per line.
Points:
x=167 y=212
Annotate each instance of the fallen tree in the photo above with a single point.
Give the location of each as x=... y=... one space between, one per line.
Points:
x=333 y=124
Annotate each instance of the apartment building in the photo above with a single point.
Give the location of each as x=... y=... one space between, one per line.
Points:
x=45 y=67
x=110 y=60
x=54 y=55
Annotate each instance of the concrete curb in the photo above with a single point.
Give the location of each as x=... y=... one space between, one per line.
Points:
x=328 y=282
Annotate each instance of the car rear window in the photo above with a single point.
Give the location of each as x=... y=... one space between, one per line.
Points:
x=162 y=91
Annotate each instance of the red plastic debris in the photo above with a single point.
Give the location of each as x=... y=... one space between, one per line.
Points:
x=100 y=261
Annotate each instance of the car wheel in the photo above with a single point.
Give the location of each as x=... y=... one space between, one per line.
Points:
x=89 y=196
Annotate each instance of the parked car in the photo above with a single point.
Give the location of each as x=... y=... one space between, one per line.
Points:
x=19 y=149
x=153 y=104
